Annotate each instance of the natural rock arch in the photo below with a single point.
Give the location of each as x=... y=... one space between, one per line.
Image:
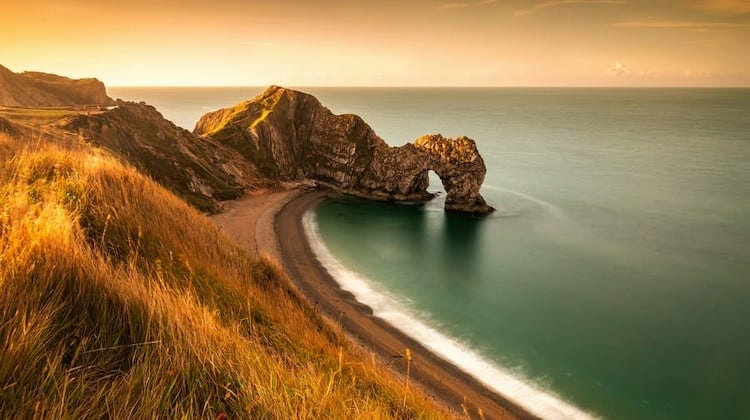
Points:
x=290 y=136
x=461 y=170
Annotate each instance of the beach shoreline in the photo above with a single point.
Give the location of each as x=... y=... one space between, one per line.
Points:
x=270 y=224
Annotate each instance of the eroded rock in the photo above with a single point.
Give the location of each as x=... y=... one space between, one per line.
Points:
x=461 y=169
x=199 y=170
x=290 y=136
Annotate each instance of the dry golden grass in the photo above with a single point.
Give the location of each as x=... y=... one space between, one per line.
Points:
x=41 y=116
x=118 y=300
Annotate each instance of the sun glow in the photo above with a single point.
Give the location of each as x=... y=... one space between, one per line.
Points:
x=385 y=43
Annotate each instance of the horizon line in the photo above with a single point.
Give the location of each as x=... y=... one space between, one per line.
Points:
x=738 y=86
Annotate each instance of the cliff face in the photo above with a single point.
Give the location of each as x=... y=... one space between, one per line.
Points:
x=289 y=135
x=34 y=89
x=199 y=170
x=281 y=135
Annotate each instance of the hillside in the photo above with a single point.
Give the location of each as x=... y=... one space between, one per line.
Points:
x=35 y=89
x=119 y=300
x=203 y=172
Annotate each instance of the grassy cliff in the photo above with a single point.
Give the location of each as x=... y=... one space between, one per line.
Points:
x=36 y=89
x=119 y=300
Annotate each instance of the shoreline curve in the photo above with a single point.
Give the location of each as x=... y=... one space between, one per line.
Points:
x=437 y=377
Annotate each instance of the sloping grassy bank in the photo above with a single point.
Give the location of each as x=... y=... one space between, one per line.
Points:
x=119 y=300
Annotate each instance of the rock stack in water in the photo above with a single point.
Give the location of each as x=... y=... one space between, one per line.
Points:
x=290 y=136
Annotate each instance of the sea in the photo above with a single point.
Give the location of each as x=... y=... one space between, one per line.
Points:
x=614 y=278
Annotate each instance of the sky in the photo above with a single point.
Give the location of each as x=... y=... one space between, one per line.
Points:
x=382 y=43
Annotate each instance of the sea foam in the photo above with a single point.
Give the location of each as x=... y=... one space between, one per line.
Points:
x=531 y=397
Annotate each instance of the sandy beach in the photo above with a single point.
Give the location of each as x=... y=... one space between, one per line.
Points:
x=269 y=223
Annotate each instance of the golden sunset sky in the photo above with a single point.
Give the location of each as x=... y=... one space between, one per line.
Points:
x=382 y=43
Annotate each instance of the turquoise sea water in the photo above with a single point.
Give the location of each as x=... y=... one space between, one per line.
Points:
x=616 y=271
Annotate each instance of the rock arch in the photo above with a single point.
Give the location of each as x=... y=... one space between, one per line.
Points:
x=291 y=136
x=461 y=169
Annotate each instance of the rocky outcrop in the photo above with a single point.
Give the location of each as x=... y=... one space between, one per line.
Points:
x=200 y=170
x=34 y=89
x=290 y=136
x=281 y=135
x=461 y=169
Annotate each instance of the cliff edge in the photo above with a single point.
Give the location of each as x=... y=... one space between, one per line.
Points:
x=290 y=136
x=201 y=171
x=35 y=89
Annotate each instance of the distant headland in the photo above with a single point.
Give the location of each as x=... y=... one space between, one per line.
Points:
x=35 y=89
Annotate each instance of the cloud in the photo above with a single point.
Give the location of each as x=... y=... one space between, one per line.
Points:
x=726 y=6
x=555 y=3
x=463 y=5
x=679 y=24
x=618 y=69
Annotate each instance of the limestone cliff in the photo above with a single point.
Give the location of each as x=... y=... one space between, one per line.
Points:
x=200 y=170
x=461 y=169
x=281 y=135
x=289 y=135
x=34 y=89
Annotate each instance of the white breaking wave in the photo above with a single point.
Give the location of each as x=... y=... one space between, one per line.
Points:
x=540 y=403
